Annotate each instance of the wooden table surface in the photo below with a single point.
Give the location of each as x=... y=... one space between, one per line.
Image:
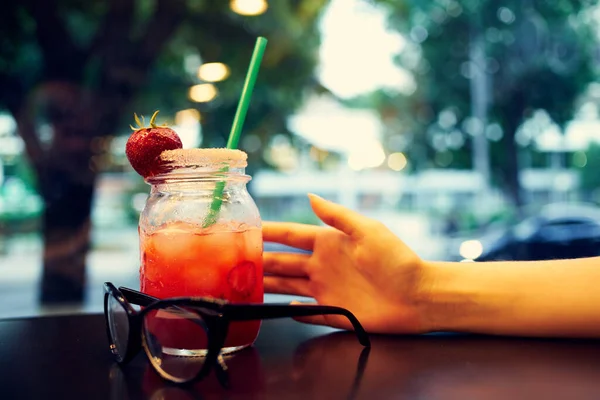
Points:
x=67 y=357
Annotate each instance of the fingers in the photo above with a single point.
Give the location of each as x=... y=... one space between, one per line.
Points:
x=286 y=264
x=338 y=217
x=293 y=286
x=292 y=234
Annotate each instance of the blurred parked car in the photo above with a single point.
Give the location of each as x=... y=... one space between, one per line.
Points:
x=557 y=231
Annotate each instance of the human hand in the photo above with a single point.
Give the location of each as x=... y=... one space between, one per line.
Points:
x=359 y=265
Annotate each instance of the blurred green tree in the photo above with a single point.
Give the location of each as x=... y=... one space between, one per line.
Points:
x=482 y=67
x=72 y=72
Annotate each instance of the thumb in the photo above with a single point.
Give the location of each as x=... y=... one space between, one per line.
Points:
x=333 y=321
x=337 y=216
x=313 y=319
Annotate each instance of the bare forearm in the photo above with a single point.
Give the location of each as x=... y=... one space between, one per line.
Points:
x=557 y=298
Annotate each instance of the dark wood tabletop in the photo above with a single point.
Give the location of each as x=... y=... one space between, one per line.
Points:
x=67 y=357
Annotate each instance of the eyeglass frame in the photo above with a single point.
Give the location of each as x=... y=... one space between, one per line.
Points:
x=216 y=313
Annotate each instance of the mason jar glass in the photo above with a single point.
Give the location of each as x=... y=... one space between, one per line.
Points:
x=200 y=235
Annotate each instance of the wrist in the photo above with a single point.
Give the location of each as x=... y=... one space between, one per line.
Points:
x=427 y=298
x=445 y=296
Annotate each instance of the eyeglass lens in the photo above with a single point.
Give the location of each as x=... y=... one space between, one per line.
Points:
x=176 y=341
x=118 y=324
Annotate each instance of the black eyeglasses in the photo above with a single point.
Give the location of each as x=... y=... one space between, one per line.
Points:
x=183 y=336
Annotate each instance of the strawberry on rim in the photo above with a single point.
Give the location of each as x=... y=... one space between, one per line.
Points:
x=146 y=143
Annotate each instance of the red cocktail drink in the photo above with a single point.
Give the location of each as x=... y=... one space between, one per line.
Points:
x=224 y=262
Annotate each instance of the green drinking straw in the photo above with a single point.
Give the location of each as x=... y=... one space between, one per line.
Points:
x=238 y=122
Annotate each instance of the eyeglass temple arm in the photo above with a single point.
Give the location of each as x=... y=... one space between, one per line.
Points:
x=137 y=298
x=244 y=312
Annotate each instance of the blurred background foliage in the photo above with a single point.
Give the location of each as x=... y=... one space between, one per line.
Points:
x=487 y=66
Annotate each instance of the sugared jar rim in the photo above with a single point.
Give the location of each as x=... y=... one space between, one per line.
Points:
x=204 y=157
